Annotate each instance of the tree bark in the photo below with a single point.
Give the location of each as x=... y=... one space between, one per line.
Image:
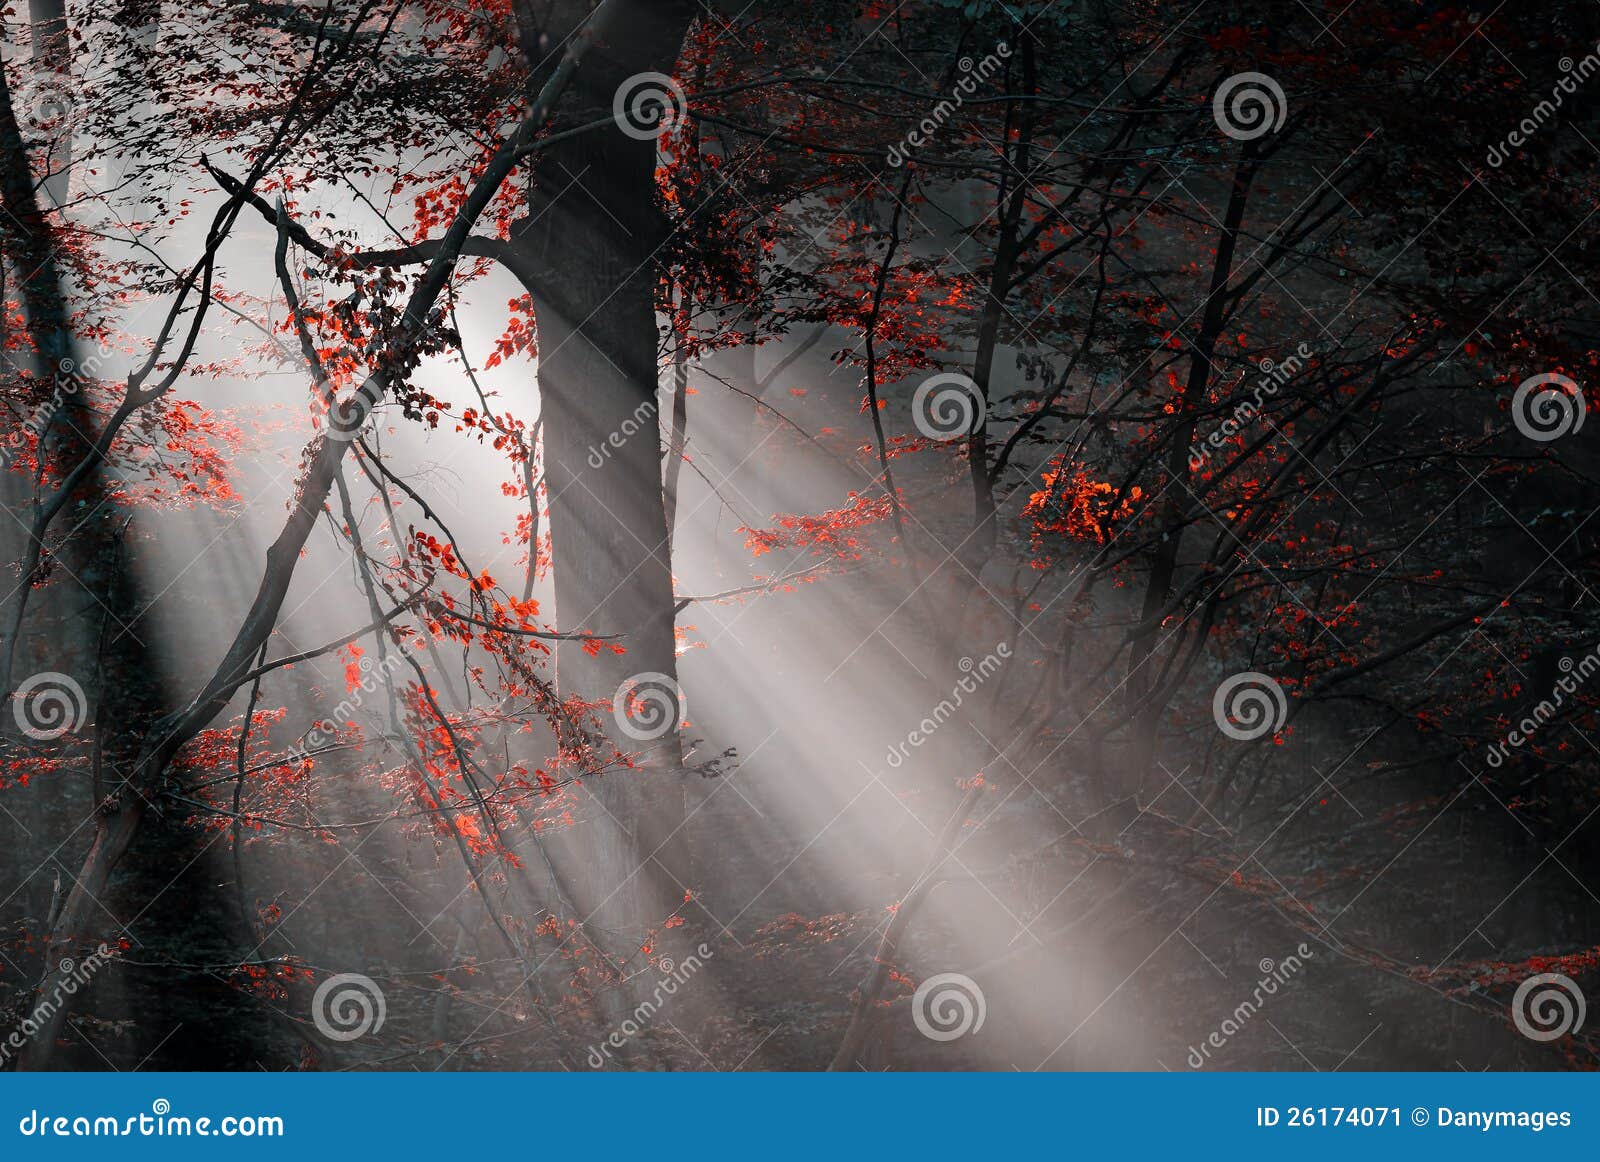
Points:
x=592 y=234
x=52 y=70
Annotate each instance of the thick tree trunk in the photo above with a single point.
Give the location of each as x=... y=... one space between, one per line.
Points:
x=122 y=703
x=592 y=236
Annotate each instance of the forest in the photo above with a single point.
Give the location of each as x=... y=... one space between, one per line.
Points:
x=835 y=535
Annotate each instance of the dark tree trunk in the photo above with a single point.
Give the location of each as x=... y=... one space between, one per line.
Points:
x=591 y=236
x=52 y=67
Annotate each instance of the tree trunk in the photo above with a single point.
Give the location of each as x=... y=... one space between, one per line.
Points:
x=1141 y=672
x=52 y=100
x=592 y=233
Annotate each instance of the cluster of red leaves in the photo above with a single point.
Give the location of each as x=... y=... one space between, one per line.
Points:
x=1075 y=505
x=518 y=337
x=270 y=980
x=834 y=533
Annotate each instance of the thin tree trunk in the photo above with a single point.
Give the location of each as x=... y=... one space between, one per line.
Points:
x=1141 y=684
x=980 y=545
x=52 y=70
